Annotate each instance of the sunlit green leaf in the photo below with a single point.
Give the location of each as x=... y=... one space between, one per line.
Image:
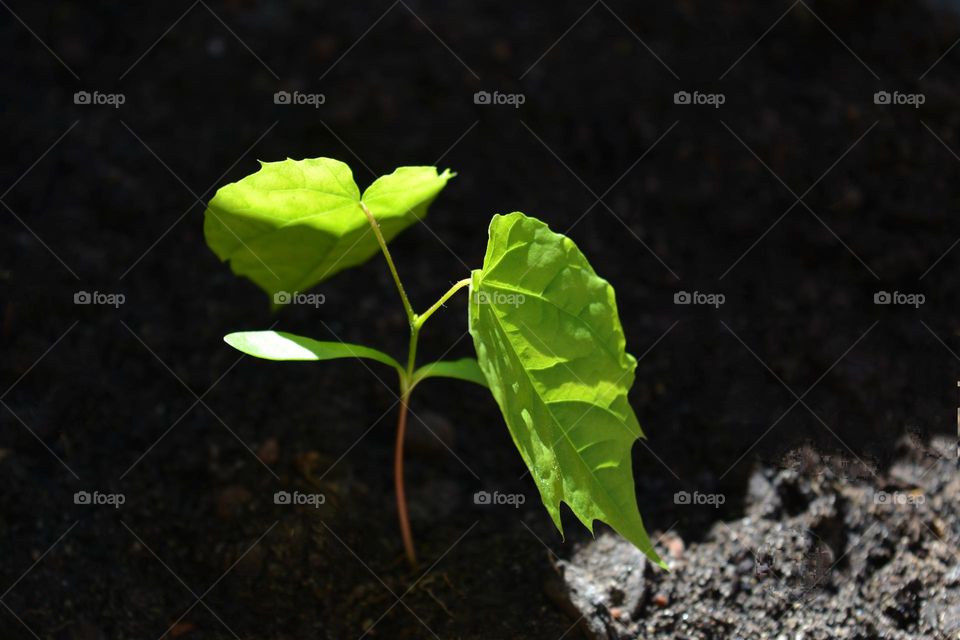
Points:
x=279 y=345
x=295 y=223
x=551 y=346
x=463 y=369
x=405 y=194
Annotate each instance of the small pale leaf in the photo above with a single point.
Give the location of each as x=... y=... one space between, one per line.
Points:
x=279 y=345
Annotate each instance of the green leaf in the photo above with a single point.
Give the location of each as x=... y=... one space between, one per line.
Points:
x=279 y=345
x=295 y=223
x=550 y=344
x=405 y=194
x=463 y=369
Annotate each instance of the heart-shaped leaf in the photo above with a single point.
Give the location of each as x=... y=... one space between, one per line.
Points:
x=295 y=223
x=550 y=344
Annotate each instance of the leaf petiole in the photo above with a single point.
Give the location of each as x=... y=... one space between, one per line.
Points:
x=407 y=307
x=422 y=318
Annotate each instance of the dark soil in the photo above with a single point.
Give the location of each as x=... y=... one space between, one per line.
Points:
x=145 y=400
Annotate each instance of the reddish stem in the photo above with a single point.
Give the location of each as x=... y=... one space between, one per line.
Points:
x=398 y=482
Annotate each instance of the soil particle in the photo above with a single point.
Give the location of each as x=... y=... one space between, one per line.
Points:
x=269 y=451
x=231 y=501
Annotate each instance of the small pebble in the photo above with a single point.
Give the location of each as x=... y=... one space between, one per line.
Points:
x=675 y=548
x=181 y=629
x=216 y=47
x=269 y=451
x=231 y=501
x=502 y=50
x=953 y=577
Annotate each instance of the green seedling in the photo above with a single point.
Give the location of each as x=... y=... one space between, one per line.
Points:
x=548 y=338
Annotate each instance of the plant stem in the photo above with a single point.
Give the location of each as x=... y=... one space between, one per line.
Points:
x=406 y=380
x=411 y=316
x=398 y=481
x=412 y=353
x=439 y=303
x=405 y=389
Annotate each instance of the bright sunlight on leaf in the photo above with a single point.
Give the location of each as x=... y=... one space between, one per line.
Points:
x=279 y=345
x=295 y=223
x=550 y=343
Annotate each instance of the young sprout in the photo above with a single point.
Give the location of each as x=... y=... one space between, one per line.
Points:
x=545 y=327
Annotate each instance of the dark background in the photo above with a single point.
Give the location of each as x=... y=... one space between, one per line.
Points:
x=109 y=200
